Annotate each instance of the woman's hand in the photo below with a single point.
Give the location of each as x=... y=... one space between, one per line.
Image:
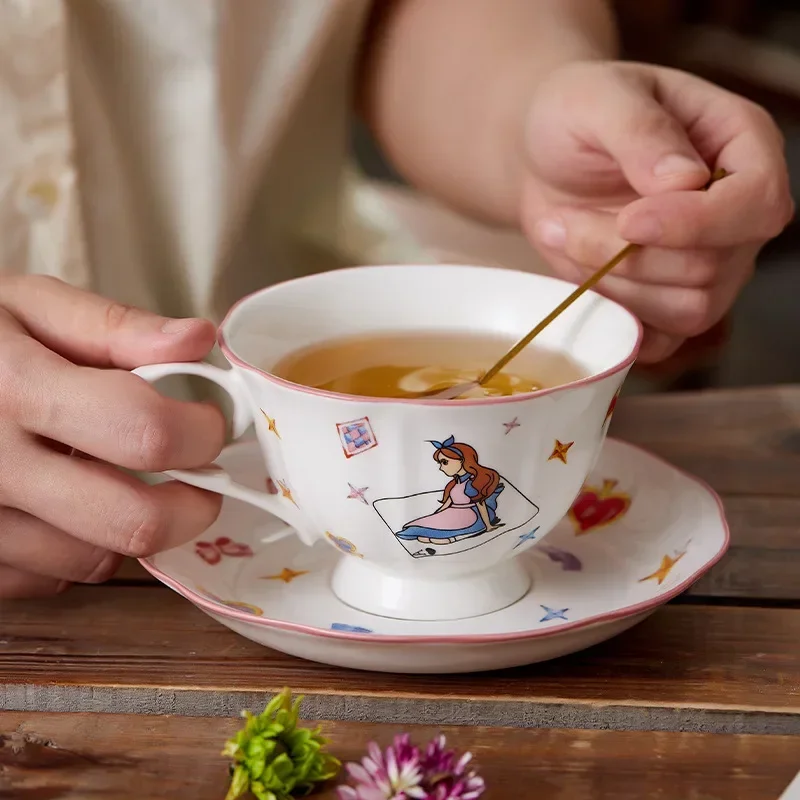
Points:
x=616 y=153
x=64 y=384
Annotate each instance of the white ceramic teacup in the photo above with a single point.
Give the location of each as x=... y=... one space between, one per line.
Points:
x=368 y=475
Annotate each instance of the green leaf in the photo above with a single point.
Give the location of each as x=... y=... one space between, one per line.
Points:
x=276 y=758
x=263 y=793
x=256 y=767
x=240 y=783
x=256 y=748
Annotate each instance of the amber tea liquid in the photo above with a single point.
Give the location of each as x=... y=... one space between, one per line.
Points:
x=403 y=364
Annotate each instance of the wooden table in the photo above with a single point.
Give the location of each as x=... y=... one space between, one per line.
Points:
x=126 y=691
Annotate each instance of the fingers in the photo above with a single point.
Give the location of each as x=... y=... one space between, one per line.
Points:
x=104 y=507
x=676 y=311
x=651 y=147
x=32 y=546
x=109 y=414
x=17 y=584
x=752 y=204
x=657 y=346
x=744 y=208
x=589 y=238
x=676 y=294
x=89 y=329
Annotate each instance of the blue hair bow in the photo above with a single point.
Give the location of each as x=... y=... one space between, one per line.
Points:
x=447 y=444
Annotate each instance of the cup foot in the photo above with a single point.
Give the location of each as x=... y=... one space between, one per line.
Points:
x=369 y=588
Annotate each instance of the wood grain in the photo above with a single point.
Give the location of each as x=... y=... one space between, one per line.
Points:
x=147 y=649
x=131 y=571
x=764 y=557
x=744 y=442
x=77 y=756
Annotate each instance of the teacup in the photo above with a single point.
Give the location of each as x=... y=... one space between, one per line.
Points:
x=368 y=475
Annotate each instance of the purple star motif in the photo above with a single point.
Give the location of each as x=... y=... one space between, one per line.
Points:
x=358 y=494
x=569 y=562
x=509 y=426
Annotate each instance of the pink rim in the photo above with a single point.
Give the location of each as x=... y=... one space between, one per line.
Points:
x=234 y=359
x=628 y=611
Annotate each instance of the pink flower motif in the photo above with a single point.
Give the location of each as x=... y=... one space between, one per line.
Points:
x=404 y=772
x=212 y=552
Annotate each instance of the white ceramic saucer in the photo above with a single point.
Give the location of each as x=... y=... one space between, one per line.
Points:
x=640 y=533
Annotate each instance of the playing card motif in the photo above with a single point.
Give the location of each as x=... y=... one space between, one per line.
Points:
x=356 y=436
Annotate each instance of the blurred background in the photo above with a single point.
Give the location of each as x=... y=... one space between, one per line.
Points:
x=751 y=47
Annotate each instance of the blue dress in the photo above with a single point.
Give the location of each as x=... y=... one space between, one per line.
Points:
x=460 y=518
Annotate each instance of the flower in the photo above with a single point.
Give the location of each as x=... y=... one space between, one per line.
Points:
x=446 y=775
x=404 y=772
x=273 y=758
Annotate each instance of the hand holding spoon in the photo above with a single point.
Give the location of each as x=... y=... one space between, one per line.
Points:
x=453 y=392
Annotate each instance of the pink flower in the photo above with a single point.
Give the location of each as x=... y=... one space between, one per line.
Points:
x=404 y=772
x=445 y=775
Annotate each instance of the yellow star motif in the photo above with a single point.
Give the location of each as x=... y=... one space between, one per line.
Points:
x=271 y=423
x=560 y=451
x=667 y=563
x=286 y=492
x=286 y=575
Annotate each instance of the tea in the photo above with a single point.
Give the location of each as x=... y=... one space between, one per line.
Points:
x=403 y=364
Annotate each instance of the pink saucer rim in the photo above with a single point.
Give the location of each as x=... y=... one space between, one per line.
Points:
x=220 y=610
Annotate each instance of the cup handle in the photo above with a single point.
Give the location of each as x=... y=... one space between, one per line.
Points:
x=214 y=478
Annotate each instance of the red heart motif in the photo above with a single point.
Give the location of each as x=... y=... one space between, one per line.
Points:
x=208 y=552
x=228 y=547
x=596 y=508
x=212 y=553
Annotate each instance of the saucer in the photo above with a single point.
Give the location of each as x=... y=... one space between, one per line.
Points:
x=639 y=533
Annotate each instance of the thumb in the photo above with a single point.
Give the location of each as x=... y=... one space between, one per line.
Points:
x=94 y=331
x=651 y=147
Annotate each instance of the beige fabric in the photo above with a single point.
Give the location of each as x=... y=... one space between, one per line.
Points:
x=209 y=137
x=177 y=154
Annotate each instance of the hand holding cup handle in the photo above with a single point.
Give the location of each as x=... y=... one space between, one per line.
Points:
x=215 y=479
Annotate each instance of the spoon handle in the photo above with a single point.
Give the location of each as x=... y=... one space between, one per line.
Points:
x=584 y=287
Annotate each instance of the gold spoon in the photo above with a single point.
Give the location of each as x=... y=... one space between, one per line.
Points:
x=453 y=392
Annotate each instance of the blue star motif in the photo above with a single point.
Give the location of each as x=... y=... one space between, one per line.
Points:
x=554 y=613
x=527 y=537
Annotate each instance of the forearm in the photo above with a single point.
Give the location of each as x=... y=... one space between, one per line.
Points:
x=484 y=515
x=445 y=86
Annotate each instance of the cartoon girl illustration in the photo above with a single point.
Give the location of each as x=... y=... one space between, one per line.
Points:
x=469 y=504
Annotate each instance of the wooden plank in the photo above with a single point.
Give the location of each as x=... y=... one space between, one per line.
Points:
x=145 y=649
x=743 y=442
x=131 y=571
x=764 y=558
x=75 y=756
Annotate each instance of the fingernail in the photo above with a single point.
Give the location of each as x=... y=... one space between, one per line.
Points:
x=643 y=229
x=175 y=326
x=674 y=164
x=551 y=233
